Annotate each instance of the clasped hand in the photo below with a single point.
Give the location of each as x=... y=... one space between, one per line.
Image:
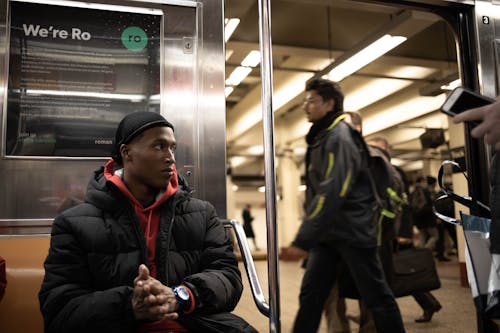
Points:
x=151 y=299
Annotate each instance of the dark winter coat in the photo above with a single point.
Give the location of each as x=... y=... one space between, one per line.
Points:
x=339 y=199
x=97 y=247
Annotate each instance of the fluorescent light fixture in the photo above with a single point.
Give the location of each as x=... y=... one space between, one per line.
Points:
x=300 y=151
x=255 y=150
x=235 y=188
x=262 y=189
x=238 y=75
x=230 y=26
x=302 y=188
x=373 y=91
x=400 y=113
x=397 y=161
x=381 y=46
x=229 y=53
x=452 y=85
x=228 y=90
x=411 y=72
x=252 y=59
x=237 y=161
x=131 y=97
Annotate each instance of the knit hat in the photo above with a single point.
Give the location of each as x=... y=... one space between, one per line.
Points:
x=134 y=124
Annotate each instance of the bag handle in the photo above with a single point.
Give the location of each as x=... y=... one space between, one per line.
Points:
x=467 y=201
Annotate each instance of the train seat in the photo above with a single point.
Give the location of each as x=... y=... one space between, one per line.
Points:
x=19 y=308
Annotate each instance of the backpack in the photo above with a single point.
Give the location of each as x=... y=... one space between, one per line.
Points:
x=388 y=190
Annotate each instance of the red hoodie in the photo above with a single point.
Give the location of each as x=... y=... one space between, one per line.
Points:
x=149 y=218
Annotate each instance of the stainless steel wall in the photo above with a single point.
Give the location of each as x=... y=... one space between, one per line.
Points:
x=32 y=189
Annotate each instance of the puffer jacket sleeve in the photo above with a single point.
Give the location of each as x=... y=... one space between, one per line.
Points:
x=67 y=300
x=339 y=169
x=218 y=285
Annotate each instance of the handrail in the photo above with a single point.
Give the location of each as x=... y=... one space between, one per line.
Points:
x=253 y=279
x=266 y=73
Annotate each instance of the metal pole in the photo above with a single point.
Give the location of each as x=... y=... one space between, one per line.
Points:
x=266 y=74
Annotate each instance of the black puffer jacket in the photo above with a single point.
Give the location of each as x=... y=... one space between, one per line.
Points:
x=97 y=247
x=339 y=199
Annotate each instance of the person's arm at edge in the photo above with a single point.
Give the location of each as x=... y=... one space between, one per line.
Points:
x=489 y=127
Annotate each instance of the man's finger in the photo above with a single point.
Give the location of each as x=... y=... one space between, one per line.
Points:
x=143 y=272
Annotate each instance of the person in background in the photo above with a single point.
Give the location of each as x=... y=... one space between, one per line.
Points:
x=141 y=254
x=247 y=225
x=425 y=299
x=421 y=200
x=339 y=223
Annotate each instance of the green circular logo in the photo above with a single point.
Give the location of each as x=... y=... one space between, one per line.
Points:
x=134 y=38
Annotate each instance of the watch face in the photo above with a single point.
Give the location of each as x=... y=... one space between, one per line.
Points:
x=182 y=293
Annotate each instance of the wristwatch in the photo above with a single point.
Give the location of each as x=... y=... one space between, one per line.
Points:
x=182 y=296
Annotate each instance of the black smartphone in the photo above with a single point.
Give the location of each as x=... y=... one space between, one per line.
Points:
x=462 y=99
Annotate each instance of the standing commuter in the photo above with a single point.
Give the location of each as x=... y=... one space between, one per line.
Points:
x=339 y=223
x=141 y=254
x=425 y=299
x=421 y=200
x=247 y=225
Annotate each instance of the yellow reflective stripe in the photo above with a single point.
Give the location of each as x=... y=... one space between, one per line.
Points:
x=345 y=186
x=319 y=206
x=387 y=213
x=393 y=195
x=336 y=121
x=379 y=223
x=331 y=160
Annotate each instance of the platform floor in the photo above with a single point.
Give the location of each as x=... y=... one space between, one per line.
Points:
x=457 y=314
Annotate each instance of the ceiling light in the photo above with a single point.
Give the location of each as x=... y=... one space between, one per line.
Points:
x=235 y=188
x=302 y=188
x=375 y=90
x=237 y=161
x=230 y=26
x=452 y=85
x=365 y=56
x=228 y=90
x=397 y=161
x=262 y=189
x=300 y=151
x=400 y=113
x=411 y=72
x=229 y=53
x=256 y=150
x=238 y=75
x=252 y=59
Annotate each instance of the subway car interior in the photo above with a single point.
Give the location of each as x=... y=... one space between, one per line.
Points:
x=230 y=75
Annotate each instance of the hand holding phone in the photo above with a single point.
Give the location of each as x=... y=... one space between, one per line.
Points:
x=479 y=110
x=462 y=99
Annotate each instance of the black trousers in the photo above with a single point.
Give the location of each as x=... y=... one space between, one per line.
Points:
x=366 y=270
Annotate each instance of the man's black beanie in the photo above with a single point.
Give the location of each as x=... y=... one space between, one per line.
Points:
x=134 y=124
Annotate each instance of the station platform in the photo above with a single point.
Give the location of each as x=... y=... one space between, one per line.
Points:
x=457 y=315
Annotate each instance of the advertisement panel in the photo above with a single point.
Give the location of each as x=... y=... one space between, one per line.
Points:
x=74 y=73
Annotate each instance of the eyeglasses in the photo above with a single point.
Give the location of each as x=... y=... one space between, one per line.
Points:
x=311 y=101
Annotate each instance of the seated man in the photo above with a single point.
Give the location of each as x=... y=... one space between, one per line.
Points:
x=141 y=255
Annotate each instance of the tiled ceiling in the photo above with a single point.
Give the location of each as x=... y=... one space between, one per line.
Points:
x=307 y=37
